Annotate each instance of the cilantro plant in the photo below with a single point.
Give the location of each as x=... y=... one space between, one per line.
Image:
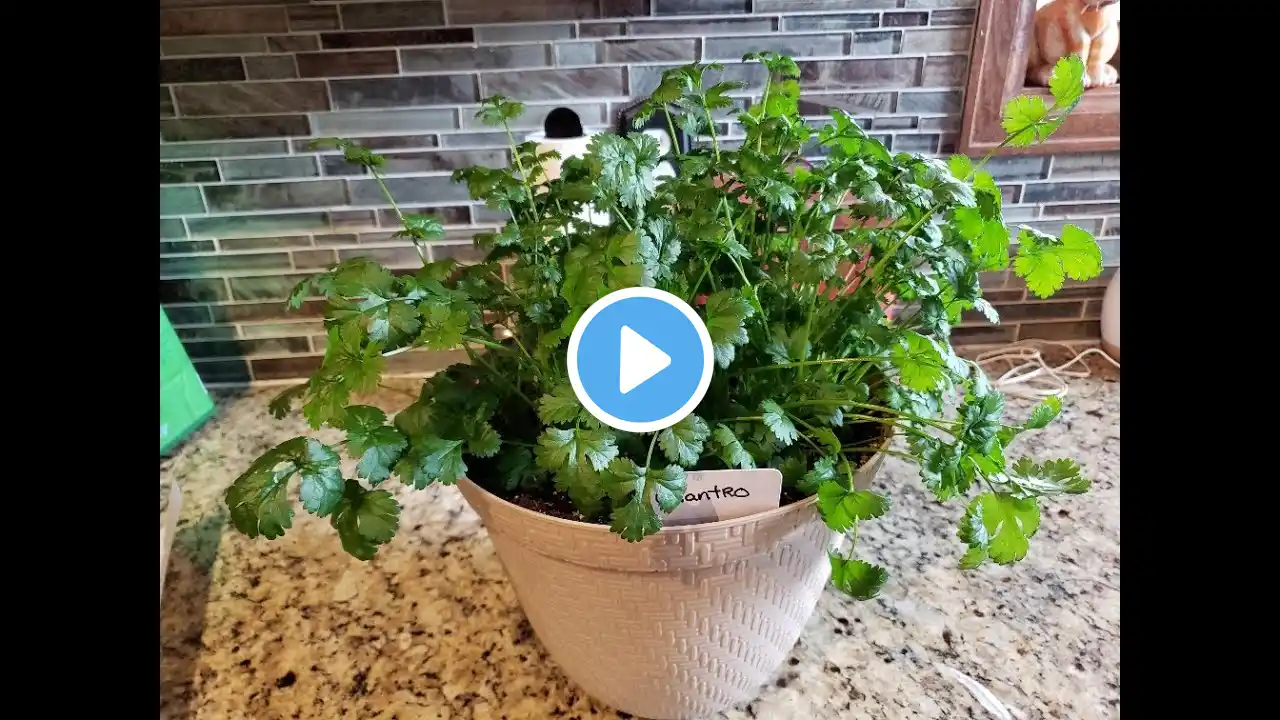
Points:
x=790 y=266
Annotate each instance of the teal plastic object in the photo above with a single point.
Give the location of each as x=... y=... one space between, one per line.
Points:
x=184 y=402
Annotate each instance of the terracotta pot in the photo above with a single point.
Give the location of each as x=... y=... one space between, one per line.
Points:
x=682 y=625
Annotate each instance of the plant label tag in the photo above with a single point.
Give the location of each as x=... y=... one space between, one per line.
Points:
x=712 y=495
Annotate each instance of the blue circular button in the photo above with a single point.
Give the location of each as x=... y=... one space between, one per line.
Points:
x=640 y=360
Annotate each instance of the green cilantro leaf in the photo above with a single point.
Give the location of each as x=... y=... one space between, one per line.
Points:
x=1080 y=255
x=987 y=195
x=350 y=366
x=1045 y=262
x=794 y=469
x=377 y=444
x=988 y=310
x=443 y=326
x=636 y=490
x=992 y=245
x=827 y=437
x=857 y=578
x=1026 y=120
x=626 y=166
x=415 y=420
x=560 y=406
x=1066 y=84
x=980 y=420
x=515 y=465
x=352 y=152
x=282 y=404
x=365 y=519
x=1054 y=477
x=842 y=508
x=576 y=457
x=919 y=364
x=1043 y=413
x=658 y=252
x=727 y=312
x=961 y=166
x=824 y=470
x=730 y=450
x=321 y=486
x=431 y=459
x=682 y=442
x=780 y=426
x=258 y=501
x=484 y=441
x=498 y=110
x=421 y=227
x=559 y=449
x=998 y=527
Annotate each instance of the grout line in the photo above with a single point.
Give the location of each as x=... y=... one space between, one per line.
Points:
x=578 y=100
x=640 y=20
x=460 y=71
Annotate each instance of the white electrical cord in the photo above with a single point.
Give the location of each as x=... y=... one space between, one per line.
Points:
x=1029 y=375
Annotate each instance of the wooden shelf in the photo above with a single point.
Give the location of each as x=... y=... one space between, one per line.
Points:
x=997 y=72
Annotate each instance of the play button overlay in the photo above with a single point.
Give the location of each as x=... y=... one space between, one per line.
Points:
x=640 y=360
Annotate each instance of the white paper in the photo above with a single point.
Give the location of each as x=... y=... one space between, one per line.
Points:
x=712 y=495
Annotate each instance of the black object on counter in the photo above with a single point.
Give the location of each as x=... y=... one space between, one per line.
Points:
x=562 y=123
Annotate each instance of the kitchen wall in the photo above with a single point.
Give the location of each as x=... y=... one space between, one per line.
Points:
x=246 y=210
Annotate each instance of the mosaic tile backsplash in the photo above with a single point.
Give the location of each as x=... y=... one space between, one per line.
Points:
x=246 y=210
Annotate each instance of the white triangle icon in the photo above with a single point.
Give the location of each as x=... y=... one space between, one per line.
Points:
x=639 y=361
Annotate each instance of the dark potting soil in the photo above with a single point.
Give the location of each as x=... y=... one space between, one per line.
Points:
x=558 y=504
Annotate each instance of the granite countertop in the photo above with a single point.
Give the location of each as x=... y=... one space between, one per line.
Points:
x=430 y=629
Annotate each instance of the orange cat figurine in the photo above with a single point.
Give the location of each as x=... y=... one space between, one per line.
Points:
x=1087 y=28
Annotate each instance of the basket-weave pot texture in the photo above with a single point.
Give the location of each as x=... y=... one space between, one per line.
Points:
x=681 y=625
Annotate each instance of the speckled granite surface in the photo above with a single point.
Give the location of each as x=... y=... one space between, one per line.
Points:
x=430 y=629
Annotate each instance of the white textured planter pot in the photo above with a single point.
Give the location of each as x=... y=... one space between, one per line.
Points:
x=679 y=626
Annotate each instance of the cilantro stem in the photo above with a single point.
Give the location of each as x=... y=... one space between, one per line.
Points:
x=649 y=455
x=885 y=450
x=671 y=126
x=875 y=272
x=492 y=344
x=399 y=215
x=764 y=101
x=696 y=286
x=866 y=406
x=821 y=450
x=524 y=176
x=832 y=361
x=617 y=211
x=505 y=286
x=808 y=323
x=497 y=375
x=711 y=127
x=525 y=350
